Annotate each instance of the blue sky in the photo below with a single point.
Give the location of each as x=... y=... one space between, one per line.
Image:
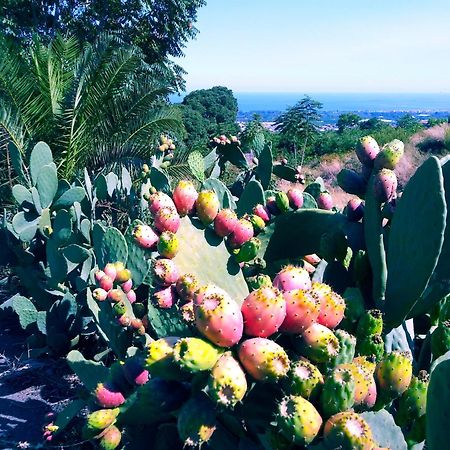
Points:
x=321 y=46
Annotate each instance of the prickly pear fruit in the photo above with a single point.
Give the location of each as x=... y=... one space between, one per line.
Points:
x=225 y=222
x=119 y=309
x=348 y=431
x=195 y=355
x=390 y=155
x=264 y=359
x=262 y=212
x=282 y=201
x=99 y=294
x=127 y=286
x=292 y=277
x=366 y=150
x=115 y=295
x=160 y=359
x=241 y=234
x=165 y=297
x=134 y=371
x=295 y=197
x=145 y=236
x=108 y=396
x=187 y=312
x=207 y=206
x=111 y=271
x=371 y=346
x=362 y=381
x=167 y=219
x=123 y=275
x=325 y=201
x=165 y=272
x=227 y=383
x=332 y=309
x=413 y=402
x=440 y=339
x=355 y=210
x=186 y=286
x=384 y=185
x=298 y=420
x=249 y=250
x=304 y=379
x=351 y=182
x=217 y=316
x=106 y=283
x=168 y=245
x=99 y=420
x=264 y=310
x=184 y=197
x=196 y=421
x=124 y=321
x=110 y=439
x=393 y=374
x=159 y=200
x=319 y=343
x=302 y=310
x=366 y=362
x=338 y=392
x=259 y=281
x=138 y=325
x=347 y=347
x=257 y=222
x=371 y=398
x=131 y=296
x=370 y=323
x=271 y=205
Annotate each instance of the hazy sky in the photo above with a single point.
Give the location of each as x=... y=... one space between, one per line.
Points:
x=322 y=46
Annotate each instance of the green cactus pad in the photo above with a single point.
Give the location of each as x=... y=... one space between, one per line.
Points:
x=308 y=201
x=167 y=322
x=285 y=172
x=137 y=261
x=21 y=194
x=25 y=309
x=41 y=156
x=197 y=165
x=68 y=198
x=252 y=195
x=113 y=247
x=265 y=165
x=89 y=372
x=160 y=180
x=47 y=185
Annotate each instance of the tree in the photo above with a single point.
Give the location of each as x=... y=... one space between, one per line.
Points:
x=160 y=28
x=299 y=124
x=348 y=120
x=372 y=124
x=94 y=105
x=409 y=122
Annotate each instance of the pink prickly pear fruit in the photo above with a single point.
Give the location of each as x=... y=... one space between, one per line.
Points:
x=165 y=297
x=319 y=343
x=371 y=398
x=99 y=274
x=264 y=311
x=110 y=439
x=115 y=295
x=165 y=272
x=159 y=200
x=312 y=259
x=106 y=283
x=167 y=219
x=99 y=294
x=217 y=316
x=332 y=310
x=241 y=234
x=168 y=245
x=225 y=222
x=207 y=206
x=138 y=325
x=385 y=185
x=367 y=149
x=108 y=396
x=355 y=210
x=325 y=201
x=131 y=296
x=127 y=286
x=123 y=275
x=295 y=197
x=184 y=197
x=186 y=286
x=320 y=290
x=124 y=321
x=390 y=155
x=145 y=236
x=264 y=359
x=187 y=312
x=134 y=371
x=291 y=278
x=111 y=271
x=302 y=310
x=262 y=212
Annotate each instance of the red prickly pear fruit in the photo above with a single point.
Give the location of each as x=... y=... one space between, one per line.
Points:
x=110 y=439
x=298 y=420
x=138 y=325
x=145 y=236
x=384 y=185
x=302 y=310
x=108 y=396
x=99 y=274
x=168 y=245
x=262 y=212
x=292 y=277
x=124 y=321
x=264 y=311
x=167 y=219
x=187 y=312
x=367 y=149
x=123 y=275
x=159 y=200
x=165 y=297
x=99 y=294
x=332 y=309
x=348 y=431
x=241 y=234
x=225 y=222
x=264 y=359
x=110 y=270
x=165 y=272
x=390 y=155
x=184 y=197
x=106 y=283
x=319 y=343
x=127 y=286
x=131 y=296
x=325 y=201
x=295 y=197
x=134 y=371
x=355 y=210
x=304 y=379
x=186 y=286
x=272 y=207
x=371 y=398
x=217 y=316
x=207 y=206
x=99 y=420
x=394 y=374
x=227 y=383
x=115 y=295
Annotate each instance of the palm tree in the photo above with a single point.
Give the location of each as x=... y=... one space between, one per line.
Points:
x=94 y=104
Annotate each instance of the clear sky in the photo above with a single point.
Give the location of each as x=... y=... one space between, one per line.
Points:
x=321 y=46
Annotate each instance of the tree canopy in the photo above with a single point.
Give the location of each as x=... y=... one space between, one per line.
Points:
x=348 y=120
